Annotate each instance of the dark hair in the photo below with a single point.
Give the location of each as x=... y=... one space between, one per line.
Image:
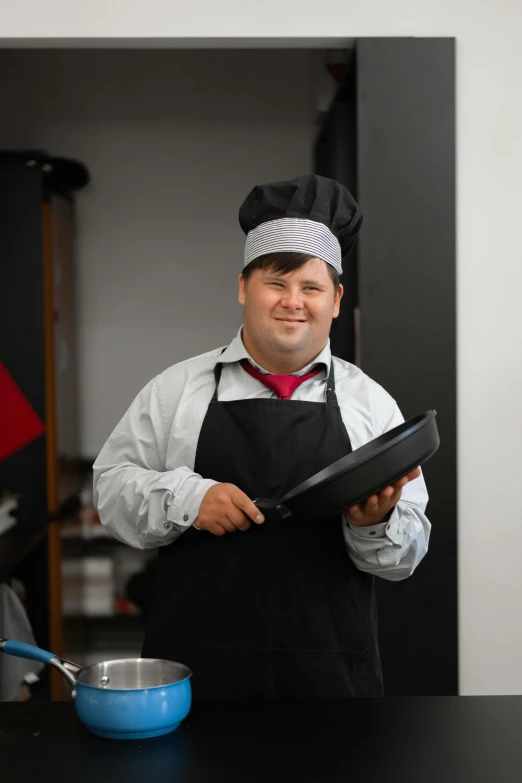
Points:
x=283 y=263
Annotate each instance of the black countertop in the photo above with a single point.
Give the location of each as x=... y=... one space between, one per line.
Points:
x=409 y=740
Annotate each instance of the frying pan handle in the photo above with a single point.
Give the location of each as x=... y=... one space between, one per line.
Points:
x=23 y=650
x=272 y=509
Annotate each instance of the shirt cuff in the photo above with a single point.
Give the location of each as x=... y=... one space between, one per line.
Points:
x=376 y=531
x=369 y=531
x=184 y=506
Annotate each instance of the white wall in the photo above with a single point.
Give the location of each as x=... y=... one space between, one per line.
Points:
x=174 y=142
x=489 y=150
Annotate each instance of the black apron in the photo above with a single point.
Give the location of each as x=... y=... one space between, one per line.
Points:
x=278 y=611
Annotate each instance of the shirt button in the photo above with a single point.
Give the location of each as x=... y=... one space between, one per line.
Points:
x=185 y=517
x=166 y=525
x=372 y=532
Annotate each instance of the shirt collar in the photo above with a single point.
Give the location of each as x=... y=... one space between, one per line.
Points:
x=237 y=351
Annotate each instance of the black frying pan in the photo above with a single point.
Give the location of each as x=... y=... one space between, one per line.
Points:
x=362 y=473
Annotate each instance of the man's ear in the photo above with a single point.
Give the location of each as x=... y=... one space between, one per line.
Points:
x=337 y=300
x=242 y=289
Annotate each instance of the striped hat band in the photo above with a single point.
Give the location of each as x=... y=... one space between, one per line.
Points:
x=294 y=235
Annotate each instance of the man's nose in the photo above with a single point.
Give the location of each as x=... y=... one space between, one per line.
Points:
x=293 y=300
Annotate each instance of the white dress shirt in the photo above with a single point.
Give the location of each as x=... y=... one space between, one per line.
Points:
x=145 y=487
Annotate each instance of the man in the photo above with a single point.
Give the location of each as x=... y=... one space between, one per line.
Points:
x=259 y=609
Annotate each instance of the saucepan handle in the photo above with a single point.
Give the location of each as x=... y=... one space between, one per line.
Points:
x=23 y=650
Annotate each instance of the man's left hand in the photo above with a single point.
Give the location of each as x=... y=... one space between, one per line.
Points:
x=377 y=507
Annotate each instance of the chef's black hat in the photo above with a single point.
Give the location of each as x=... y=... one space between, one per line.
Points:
x=308 y=214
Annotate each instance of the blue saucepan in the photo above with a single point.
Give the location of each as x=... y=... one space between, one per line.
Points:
x=132 y=698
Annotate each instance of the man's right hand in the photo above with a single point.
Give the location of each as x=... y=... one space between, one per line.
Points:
x=225 y=508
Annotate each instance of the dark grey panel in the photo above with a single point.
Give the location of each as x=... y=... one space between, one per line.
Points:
x=22 y=351
x=406 y=188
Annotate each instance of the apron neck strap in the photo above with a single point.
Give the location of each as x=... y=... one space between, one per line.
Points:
x=217 y=376
x=331 y=396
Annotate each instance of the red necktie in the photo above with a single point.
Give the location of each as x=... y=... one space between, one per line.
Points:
x=283 y=385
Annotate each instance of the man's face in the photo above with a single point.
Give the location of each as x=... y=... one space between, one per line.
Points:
x=290 y=314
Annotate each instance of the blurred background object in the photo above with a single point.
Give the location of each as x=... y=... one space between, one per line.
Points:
x=16 y=674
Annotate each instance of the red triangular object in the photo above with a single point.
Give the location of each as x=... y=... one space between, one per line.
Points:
x=19 y=424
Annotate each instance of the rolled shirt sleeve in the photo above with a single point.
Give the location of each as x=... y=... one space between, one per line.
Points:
x=139 y=502
x=392 y=550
